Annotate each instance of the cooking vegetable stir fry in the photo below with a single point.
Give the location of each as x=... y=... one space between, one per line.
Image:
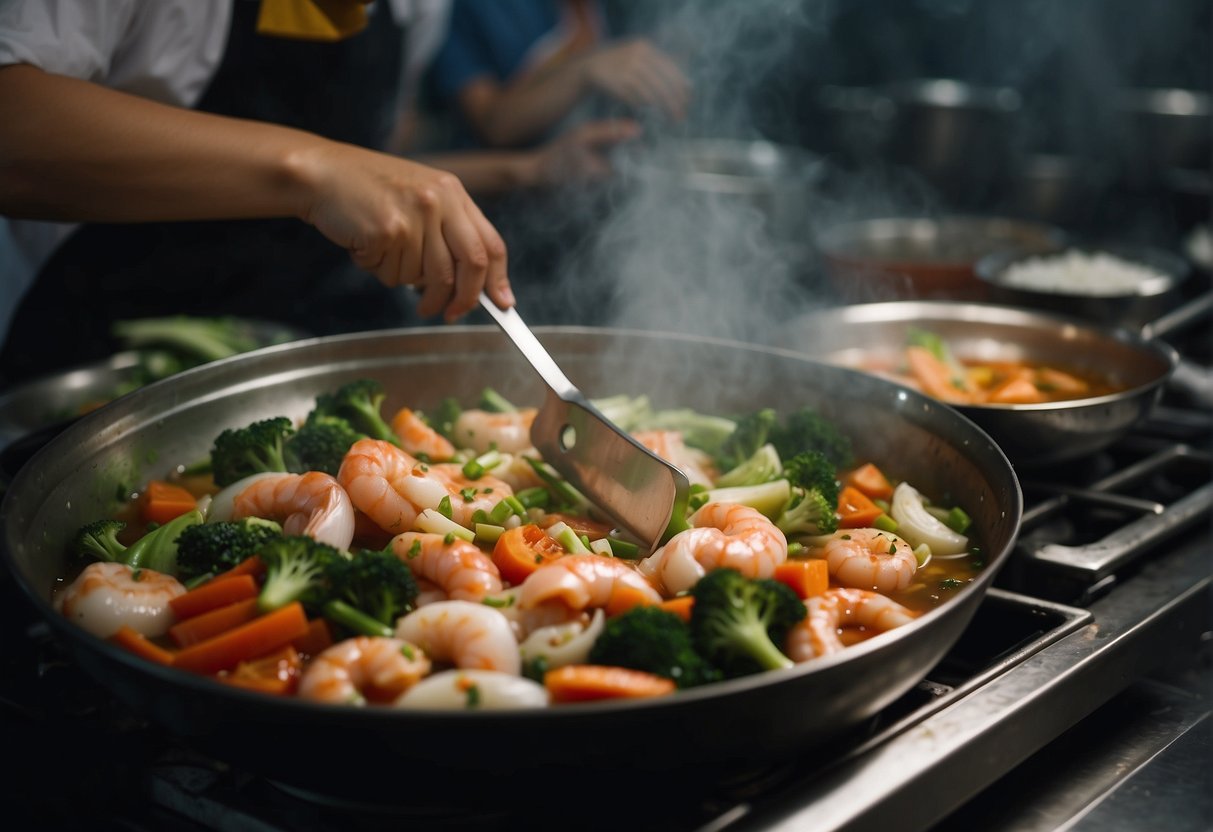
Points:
x=424 y=560
x=928 y=363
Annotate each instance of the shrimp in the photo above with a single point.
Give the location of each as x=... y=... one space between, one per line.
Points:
x=313 y=504
x=460 y=569
x=418 y=438
x=481 y=430
x=727 y=535
x=467 y=634
x=363 y=669
x=869 y=559
x=817 y=633
x=668 y=445
x=107 y=596
x=485 y=690
x=584 y=581
x=392 y=487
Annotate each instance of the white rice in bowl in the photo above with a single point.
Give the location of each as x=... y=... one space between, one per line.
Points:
x=1080 y=273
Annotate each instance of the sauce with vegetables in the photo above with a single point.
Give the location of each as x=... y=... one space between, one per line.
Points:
x=340 y=562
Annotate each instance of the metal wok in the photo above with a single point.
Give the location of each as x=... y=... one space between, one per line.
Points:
x=1030 y=434
x=417 y=757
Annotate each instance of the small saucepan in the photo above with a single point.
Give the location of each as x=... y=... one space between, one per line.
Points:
x=1137 y=362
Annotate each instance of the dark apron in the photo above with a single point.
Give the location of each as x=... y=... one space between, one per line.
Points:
x=281 y=269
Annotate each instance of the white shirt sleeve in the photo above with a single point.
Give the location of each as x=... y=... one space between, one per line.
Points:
x=166 y=50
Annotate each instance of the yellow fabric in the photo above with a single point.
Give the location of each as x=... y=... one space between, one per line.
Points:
x=327 y=20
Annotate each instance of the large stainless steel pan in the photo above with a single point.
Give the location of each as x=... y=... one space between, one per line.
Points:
x=417 y=758
x=1030 y=434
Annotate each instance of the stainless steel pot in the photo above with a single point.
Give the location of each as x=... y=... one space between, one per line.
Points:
x=718 y=176
x=369 y=753
x=1030 y=434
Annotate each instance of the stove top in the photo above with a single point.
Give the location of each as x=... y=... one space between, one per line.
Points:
x=1108 y=589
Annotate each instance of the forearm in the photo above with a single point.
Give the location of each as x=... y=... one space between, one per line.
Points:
x=488 y=173
x=78 y=151
x=525 y=110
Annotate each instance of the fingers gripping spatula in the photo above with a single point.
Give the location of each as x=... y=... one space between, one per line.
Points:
x=637 y=489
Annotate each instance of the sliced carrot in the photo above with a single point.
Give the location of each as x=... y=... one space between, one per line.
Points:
x=141 y=645
x=255 y=639
x=624 y=597
x=319 y=636
x=935 y=377
x=276 y=674
x=162 y=501
x=209 y=624
x=215 y=593
x=807 y=577
x=680 y=606
x=1017 y=389
x=522 y=550
x=249 y=566
x=585 y=682
x=871 y=481
x=856 y=509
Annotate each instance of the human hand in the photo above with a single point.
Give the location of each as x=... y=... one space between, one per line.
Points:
x=409 y=225
x=580 y=154
x=640 y=75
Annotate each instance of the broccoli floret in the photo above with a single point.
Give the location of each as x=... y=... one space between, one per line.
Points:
x=808 y=430
x=359 y=403
x=748 y=436
x=739 y=624
x=294 y=571
x=216 y=547
x=813 y=471
x=653 y=640
x=368 y=591
x=320 y=445
x=809 y=513
x=156 y=550
x=99 y=540
x=762 y=466
x=253 y=449
x=198 y=340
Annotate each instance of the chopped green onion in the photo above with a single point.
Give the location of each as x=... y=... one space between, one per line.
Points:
x=444 y=507
x=500 y=513
x=535 y=497
x=957 y=520
x=602 y=546
x=885 y=523
x=567 y=538
x=476 y=468
x=922 y=554
x=435 y=523
x=625 y=549
x=488 y=532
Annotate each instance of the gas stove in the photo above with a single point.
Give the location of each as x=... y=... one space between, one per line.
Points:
x=1082 y=681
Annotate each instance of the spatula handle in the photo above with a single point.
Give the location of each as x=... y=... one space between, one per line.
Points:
x=524 y=339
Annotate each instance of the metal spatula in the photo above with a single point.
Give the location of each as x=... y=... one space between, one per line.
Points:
x=637 y=489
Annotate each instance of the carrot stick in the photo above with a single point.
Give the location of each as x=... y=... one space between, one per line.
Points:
x=162 y=501
x=680 y=606
x=249 y=641
x=206 y=625
x=855 y=509
x=318 y=637
x=807 y=577
x=585 y=682
x=249 y=566
x=214 y=594
x=276 y=674
x=870 y=480
x=141 y=645
x=623 y=598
